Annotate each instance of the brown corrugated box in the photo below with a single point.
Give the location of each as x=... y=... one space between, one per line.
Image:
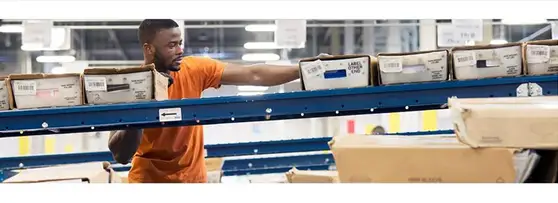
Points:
x=4 y=93
x=530 y=122
x=373 y=78
x=146 y=84
x=549 y=66
x=436 y=67
x=214 y=167
x=419 y=159
x=93 y=172
x=61 y=90
x=510 y=53
x=297 y=176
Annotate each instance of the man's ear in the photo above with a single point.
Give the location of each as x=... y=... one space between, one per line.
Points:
x=148 y=49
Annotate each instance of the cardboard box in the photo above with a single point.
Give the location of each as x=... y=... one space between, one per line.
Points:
x=426 y=159
x=214 y=167
x=541 y=57
x=530 y=122
x=4 y=94
x=425 y=66
x=337 y=72
x=122 y=85
x=296 y=176
x=45 y=90
x=487 y=61
x=93 y=172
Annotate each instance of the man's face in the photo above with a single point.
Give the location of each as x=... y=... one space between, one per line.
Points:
x=167 y=51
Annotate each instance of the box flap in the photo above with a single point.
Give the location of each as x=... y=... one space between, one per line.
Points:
x=41 y=76
x=412 y=53
x=161 y=86
x=93 y=172
x=118 y=70
x=426 y=159
x=296 y=176
x=489 y=46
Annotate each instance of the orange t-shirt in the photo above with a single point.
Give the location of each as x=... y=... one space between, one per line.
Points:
x=176 y=154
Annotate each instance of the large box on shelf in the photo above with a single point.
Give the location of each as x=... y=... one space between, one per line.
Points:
x=426 y=159
x=530 y=122
x=297 y=176
x=126 y=84
x=4 y=94
x=541 y=57
x=214 y=167
x=93 y=172
x=425 y=66
x=45 y=90
x=337 y=72
x=487 y=61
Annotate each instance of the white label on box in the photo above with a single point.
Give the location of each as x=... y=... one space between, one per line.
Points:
x=538 y=53
x=554 y=61
x=314 y=68
x=25 y=87
x=465 y=59
x=394 y=65
x=172 y=114
x=94 y=84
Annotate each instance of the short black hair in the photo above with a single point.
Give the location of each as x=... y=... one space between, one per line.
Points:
x=149 y=27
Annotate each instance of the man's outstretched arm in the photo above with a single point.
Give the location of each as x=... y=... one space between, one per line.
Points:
x=123 y=144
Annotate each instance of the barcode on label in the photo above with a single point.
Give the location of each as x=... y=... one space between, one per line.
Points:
x=96 y=84
x=393 y=65
x=25 y=88
x=314 y=69
x=464 y=59
x=539 y=52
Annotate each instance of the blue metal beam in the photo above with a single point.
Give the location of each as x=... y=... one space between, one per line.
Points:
x=336 y=102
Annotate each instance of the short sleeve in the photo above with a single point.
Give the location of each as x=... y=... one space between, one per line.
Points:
x=209 y=71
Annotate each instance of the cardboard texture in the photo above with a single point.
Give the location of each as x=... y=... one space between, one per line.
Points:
x=45 y=90
x=487 y=61
x=214 y=167
x=425 y=159
x=541 y=57
x=425 y=66
x=296 y=176
x=125 y=84
x=93 y=172
x=4 y=92
x=337 y=72
x=507 y=122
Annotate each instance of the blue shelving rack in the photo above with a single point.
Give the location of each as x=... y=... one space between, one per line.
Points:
x=304 y=104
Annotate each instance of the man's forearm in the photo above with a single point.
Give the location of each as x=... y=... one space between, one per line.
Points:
x=123 y=144
x=271 y=75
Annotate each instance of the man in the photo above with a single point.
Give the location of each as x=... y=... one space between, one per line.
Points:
x=177 y=154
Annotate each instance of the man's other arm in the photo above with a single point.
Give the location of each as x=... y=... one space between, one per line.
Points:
x=123 y=144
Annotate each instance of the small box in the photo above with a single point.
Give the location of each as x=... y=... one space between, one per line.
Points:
x=337 y=72
x=530 y=122
x=541 y=57
x=122 y=85
x=425 y=66
x=427 y=159
x=214 y=167
x=45 y=90
x=296 y=176
x=4 y=94
x=487 y=61
x=93 y=172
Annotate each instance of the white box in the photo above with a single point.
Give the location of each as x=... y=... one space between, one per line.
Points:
x=90 y=172
x=541 y=57
x=490 y=61
x=413 y=67
x=336 y=72
x=4 y=92
x=122 y=85
x=45 y=90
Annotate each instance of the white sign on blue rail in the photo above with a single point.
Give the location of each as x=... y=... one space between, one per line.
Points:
x=170 y=114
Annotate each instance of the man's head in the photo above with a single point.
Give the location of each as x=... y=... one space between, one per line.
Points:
x=161 y=41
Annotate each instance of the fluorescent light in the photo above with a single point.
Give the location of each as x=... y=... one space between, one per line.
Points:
x=252 y=88
x=249 y=93
x=58 y=70
x=523 y=21
x=55 y=59
x=261 y=45
x=261 y=57
x=498 y=41
x=260 y=28
x=11 y=28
